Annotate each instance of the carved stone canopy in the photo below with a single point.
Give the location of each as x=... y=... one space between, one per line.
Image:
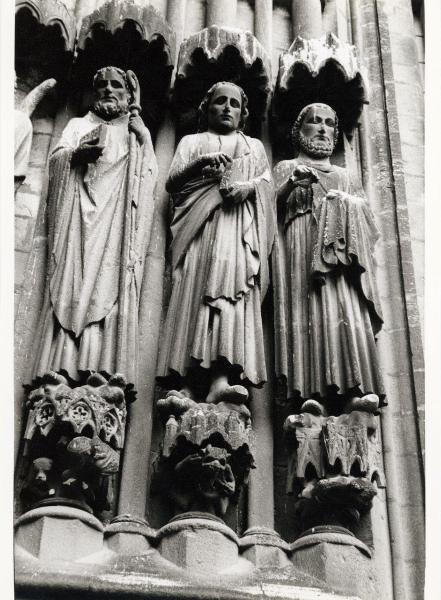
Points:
x=44 y=41
x=129 y=36
x=319 y=70
x=220 y=54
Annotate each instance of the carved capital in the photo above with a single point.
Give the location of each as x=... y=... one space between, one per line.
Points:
x=206 y=456
x=220 y=54
x=73 y=440
x=332 y=466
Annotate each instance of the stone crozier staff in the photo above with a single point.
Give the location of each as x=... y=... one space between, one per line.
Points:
x=327 y=310
x=102 y=176
x=222 y=234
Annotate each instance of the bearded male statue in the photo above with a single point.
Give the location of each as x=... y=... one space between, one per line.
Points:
x=102 y=177
x=327 y=311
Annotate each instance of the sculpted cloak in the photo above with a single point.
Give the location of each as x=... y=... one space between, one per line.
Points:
x=219 y=267
x=99 y=222
x=327 y=310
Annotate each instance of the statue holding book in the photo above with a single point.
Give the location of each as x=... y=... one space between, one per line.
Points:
x=102 y=177
x=222 y=233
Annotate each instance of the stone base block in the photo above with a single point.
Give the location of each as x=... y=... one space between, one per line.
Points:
x=59 y=533
x=265 y=548
x=129 y=536
x=203 y=544
x=340 y=560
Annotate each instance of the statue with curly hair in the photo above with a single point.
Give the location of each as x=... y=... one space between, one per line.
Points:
x=327 y=310
x=222 y=233
x=102 y=176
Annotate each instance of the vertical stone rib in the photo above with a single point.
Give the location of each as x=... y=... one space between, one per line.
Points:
x=263 y=23
x=261 y=483
x=221 y=13
x=306 y=18
x=134 y=480
x=398 y=346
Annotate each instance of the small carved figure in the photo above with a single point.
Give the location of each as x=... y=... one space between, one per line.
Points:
x=222 y=233
x=102 y=176
x=327 y=310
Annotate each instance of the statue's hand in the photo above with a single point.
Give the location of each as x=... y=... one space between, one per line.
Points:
x=210 y=171
x=237 y=193
x=303 y=176
x=136 y=126
x=87 y=152
x=215 y=160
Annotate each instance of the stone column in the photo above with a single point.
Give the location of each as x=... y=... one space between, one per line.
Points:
x=221 y=13
x=306 y=18
x=263 y=23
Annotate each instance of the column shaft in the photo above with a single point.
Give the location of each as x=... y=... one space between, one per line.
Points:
x=306 y=18
x=221 y=13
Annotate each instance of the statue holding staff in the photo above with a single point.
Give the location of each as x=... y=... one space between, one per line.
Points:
x=102 y=177
x=327 y=310
x=222 y=230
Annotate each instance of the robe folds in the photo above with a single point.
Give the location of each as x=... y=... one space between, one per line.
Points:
x=220 y=271
x=327 y=310
x=99 y=222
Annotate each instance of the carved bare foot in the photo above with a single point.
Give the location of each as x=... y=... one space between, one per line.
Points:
x=368 y=403
x=313 y=408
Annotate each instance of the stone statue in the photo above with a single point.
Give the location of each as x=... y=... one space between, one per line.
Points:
x=327 y=311
x=222 y=230
x=23 y=129
x=102 y=177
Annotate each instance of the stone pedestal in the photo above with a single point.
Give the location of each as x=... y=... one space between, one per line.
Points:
x=127 y=535
x=59 y=533
x=339 y=559
x=265 y=548
x=200 y=542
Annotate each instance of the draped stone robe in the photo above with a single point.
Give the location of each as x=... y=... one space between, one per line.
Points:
x=99 y=221
x=220 y=268
x=327 y=310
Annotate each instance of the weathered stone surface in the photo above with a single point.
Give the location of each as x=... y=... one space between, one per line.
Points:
x=59 y=533
x=338 y=559
x=216 y=54
x=73 y=440
x=206 y=454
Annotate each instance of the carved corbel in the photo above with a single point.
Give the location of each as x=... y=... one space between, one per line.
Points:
x=205 y=454
x=130 y=36
x=45 y=33
x=333 y=465
x=73 y=441
x=319 y=70
x=220 y=54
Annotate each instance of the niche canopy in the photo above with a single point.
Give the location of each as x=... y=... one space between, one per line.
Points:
x=319 y=70
x=220 y=54
x=129 y=36
x=44 y=41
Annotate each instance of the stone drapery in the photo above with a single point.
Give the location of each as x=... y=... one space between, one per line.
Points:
x=220 y=267
x=99 y=226
x=327 y=310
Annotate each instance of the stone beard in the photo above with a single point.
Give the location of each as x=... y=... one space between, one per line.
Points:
x=327 y=310
x=108 y=111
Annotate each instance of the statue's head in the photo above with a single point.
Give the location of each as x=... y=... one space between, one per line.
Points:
x=315 y=130
x=112 y=93
x=224 y=108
